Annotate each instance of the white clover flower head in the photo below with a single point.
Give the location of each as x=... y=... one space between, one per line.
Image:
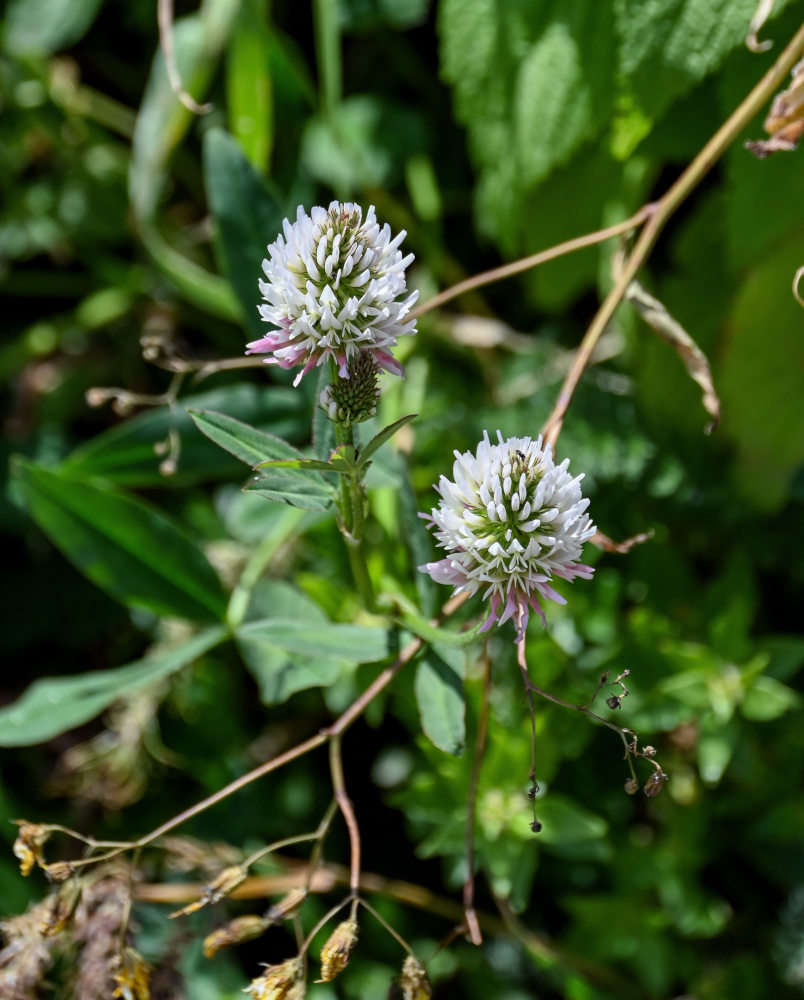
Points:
x=510 y=522
x=335 y=287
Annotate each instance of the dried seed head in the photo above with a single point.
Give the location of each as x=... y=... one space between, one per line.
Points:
x=632 y=786
x=236 y=931
x=29 y=843
x=132 y=977
x=655 y=783
x=60 y=909
x=414 y=982
x=287 y=906
x=337 y=951
x=59 y=871
x=228 y=880
x=279 y=982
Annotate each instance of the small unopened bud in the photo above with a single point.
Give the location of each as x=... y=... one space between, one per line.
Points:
x=29 y=843
x=287 y=906
x=279 y=982
x=236 y=931
x=96 y=397
x=228 y=880
x=59 y=871
x=655 y=783
x=632 y=786
x=337 y=951
x=649 y=751
x=413 y=982
x=614 y=701
x=353 y=399
x=168 y=467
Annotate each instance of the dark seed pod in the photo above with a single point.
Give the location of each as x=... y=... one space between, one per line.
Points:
x=655 y=783
x=536 y=826
x=614 y=701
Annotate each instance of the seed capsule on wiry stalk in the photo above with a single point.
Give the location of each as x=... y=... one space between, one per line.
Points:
x=655 y=783
x=337 y=951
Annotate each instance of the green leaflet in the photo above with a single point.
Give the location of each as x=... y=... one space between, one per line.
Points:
x=54 y=705
x=245 y=442
x=439 y=695
x=128 y=548
x=125 y=455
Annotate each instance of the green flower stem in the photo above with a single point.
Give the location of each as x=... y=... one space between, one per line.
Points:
x=350 y=507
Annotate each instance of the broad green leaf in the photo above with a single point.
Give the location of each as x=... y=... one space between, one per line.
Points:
x=41 y=27
x=379 y=439
x=438 y=686
x=295 y=488
x=767 y=699
x=278 y=672
x=248 y=217
x=163 y=119
x=250 y=445
x=128 y=548
x=761 y=379
x=54 y=705
x=565 y=822
x=249 y=90
x=331 y=640
x=665 y=47
x=125 y=453
x=532 y=82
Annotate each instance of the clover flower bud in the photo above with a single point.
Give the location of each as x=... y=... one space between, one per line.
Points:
x=335 y=288
x=353 y=399
x=235 y=932
x=510 y=522
x=337 y=951
x=279 y=982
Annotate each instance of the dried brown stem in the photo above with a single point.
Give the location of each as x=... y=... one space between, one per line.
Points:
x=658 y=216
x=534 y=260
x=346 y=808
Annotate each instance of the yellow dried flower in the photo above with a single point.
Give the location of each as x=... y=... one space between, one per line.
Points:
x=414 y=982
x=29 y=843
x=241 y=929
x=337 y=951
x=279 y=982
x=287 y=906
x=61 y=906
x=132 y=978
x=228 y=880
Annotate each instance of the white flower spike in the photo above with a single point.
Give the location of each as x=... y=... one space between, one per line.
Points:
x=510 y=522
x=336 y=287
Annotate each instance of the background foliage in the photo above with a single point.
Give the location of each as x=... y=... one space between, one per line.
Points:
x=487 y=130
